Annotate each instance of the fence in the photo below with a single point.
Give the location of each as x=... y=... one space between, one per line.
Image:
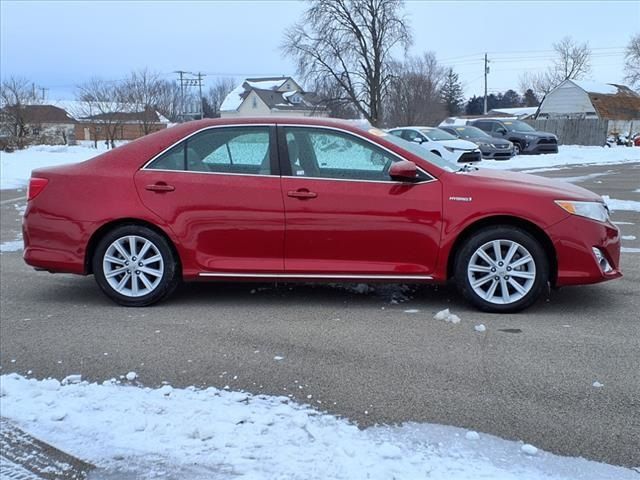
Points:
x=574 y=131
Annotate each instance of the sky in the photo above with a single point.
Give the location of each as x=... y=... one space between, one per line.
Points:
x=60 y=44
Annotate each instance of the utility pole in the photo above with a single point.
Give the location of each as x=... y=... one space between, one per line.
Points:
x=181 y=73
x=486 y=72
x=43 y=92
x=200 y=75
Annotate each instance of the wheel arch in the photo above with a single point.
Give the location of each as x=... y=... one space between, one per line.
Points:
x=107 y=227
x=505 y=220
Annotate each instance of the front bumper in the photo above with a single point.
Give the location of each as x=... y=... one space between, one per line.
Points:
x=469 y=156
x=574 y=239
x=541 y=146
x=493 y=153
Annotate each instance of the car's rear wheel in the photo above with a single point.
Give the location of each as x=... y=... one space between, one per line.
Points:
x=135 y=266
x=502 y=269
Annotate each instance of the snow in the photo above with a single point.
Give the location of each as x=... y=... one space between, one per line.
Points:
x=567 y=155
x=131 y=376
x=16 y=166
x=516 y=112
x=267 y=84
x=615 y=204
x=11 y=246
x=447 y=316
x=595 y=87
x=134 y=432
x=630 y=250
x=480 y=328
x=232 y=101
x=598 y=385
x=628 y=237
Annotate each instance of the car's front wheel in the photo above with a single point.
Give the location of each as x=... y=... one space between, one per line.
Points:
x=502 y=269
x=517 y=149
x=135 y=266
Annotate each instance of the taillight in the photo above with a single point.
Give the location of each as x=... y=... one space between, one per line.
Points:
x=36 y=185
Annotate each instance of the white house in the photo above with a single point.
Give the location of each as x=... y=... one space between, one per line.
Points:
x=268 y=96
x=605 y=101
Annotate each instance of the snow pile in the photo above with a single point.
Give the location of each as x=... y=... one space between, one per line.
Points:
x=615 y=204
x=126 y=429
x=567 y=155
x=17 y=166
x=480 y=328
x=11 y=246
x=447 y=316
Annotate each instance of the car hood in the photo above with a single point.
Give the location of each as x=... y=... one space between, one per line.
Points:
x=459 y=144
x=493 y=140
x=533 y=184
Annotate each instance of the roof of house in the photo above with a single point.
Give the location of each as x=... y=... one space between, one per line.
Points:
x=516 y=112
x=266 y=89
x=149 y=116
x=611 y=101
x=34 y=114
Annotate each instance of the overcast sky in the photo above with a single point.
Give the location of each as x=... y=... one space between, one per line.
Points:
x=59 y=44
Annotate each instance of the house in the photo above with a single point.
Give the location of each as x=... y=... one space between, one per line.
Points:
x=37 y=124
x=124 y=125
x=269 y=96
x=604 y=101
x=521 y=113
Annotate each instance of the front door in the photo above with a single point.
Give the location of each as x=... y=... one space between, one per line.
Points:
x=219 y=190
x=344 y=214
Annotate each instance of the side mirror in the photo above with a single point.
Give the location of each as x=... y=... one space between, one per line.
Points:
x=403 y=170
x=502 y=131
x=418 y=140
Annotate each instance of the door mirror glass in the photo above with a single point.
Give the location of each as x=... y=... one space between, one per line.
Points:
x=418 y=139
x=403 y=170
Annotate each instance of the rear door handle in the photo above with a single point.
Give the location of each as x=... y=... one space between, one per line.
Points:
x=160 y=187
x=302 y=193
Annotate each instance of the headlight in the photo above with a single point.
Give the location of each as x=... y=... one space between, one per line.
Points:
x=593 y=210
x=490 y=145
x=529 y=137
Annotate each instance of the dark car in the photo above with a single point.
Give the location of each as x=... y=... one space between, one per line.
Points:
x=491 y=147
x=524 y=137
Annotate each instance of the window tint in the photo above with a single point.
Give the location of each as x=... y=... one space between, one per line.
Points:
x=223 y=150
x=397 y=133
x=329 y=154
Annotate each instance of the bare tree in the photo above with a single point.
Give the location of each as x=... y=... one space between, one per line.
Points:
x=102 y=104
x=15 y=94
x=330 y=95
x=142 y=91
x=572 y=61
x=350 y=42
x=216 y=95
x=169 y=100
x=632 y=61
x=415 y=94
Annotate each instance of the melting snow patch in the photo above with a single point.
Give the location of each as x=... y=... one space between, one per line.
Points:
x=630 y=250
x=131 y=376
x=614 y=204
x=480 y=328
x=413 y=310
x=628 y=237
x=472 y=435
x=447 y=316
x=529 y=449
x=260 y=436
x=11 y=246
x=598 y=385
x=76 y=378
x=278 y=358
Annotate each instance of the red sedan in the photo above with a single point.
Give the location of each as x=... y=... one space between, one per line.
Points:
x=310 y=199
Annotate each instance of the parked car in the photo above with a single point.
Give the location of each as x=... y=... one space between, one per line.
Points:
x=303 y=199
x=491 y=148
x=440 y=143
x=524 y=137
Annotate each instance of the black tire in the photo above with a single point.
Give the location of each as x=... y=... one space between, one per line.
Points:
x=507 y=235
x=517 y=149
x=163 y=285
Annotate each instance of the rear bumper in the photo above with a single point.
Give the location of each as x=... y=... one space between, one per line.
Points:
x=54 y=244
x=574 y=239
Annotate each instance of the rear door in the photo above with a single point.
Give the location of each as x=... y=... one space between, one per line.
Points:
x=345 y=217
x=219 y=190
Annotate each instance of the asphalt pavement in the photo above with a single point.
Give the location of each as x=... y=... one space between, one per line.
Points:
x=371 y=354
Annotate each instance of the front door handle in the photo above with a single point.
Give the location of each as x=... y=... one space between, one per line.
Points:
x=301 y=193
x=160 y=187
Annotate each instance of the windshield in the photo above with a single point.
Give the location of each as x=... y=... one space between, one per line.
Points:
x=436 y=134
x=518 y=126
x=422 y=152
x=471 y=132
